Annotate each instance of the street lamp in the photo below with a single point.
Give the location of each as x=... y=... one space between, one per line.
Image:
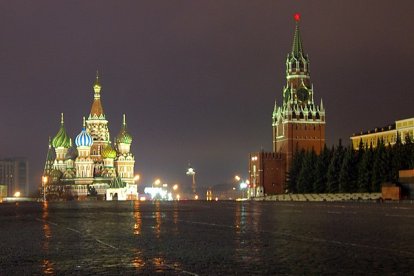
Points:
x=44 y=181
x=157 y=182
x=191 y=172
x=136 y=179
x=244 y=184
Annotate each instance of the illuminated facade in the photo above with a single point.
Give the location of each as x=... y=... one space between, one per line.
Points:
x=387 y=134
x=93 y=165
x=298 y=123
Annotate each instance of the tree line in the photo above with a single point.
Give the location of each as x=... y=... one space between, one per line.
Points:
x=346 y=170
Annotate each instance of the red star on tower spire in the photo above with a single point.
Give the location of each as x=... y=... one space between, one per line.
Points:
x=296 y=16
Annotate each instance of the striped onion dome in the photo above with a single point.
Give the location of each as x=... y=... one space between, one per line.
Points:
x=61 y=139
x=108 y=152
x=84 y=139
x=124 y=137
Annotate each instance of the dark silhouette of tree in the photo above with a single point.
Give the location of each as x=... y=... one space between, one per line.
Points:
x=321 y=170
x=307 y=173
x=397 y=163
x=334 y=169
x=348 y=174
x=379 y=167
x=364 y=171
x=294 y=171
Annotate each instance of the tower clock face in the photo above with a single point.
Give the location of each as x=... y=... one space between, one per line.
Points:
x=302 y=94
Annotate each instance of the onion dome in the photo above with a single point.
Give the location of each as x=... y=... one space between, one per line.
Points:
x=84 y=139
x=108 y=152
x=72 y=152
x=124 y=137
x=61 y=139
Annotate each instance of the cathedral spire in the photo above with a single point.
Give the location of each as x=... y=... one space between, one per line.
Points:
x=97 y=110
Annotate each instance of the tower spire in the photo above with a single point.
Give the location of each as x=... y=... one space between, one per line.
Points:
x=61 y=119
x=97 y=110
x=297 y=47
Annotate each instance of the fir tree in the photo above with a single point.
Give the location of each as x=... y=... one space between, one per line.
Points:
x=321 y=170
x=379 y=167
x=348 y=174
x=364 y=171
x=397 y=159
x=307 y=173
x=334 y=169
x=294 y=171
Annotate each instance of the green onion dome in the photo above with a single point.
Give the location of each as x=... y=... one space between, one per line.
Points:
x=124 y=137
x=61 y=139
x=108 y=152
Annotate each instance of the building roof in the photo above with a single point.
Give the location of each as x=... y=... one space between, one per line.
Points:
x=375 y=130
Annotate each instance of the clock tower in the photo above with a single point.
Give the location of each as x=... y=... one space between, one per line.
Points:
x=298 y=123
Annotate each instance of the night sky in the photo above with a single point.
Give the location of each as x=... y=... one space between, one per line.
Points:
x=196 y=79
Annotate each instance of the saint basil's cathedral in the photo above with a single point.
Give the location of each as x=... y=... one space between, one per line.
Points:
x=92 y=166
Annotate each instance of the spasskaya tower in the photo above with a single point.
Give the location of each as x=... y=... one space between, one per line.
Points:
x=298 y=123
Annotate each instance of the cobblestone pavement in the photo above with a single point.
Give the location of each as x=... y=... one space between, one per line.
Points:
x=206 y=238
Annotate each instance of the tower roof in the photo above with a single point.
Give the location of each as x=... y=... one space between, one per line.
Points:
x=297 y=47
x=84 y=139
x=108 y=152
x=97 y=110
x=50 y=157
x=61 y=139
x=123 y=136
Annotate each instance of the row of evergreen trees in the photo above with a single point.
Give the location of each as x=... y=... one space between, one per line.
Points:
x=345 y=170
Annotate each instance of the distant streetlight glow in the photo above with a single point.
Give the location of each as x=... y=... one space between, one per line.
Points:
x=44 y=181
x=17 y=194
x=175 y=187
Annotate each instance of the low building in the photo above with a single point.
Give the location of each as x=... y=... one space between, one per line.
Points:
x=14 y=174
x=406 y=179
x=388 y=134
x=267 y=172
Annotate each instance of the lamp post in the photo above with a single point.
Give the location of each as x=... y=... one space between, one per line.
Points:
x=191 y=172
x=136 y=179
x=44 y=181
x=244 y=184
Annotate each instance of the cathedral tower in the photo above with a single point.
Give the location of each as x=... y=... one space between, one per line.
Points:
x=96 y=124
x=125 y=160
x=61 y=144
x=298 y=123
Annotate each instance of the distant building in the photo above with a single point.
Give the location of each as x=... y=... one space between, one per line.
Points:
x=94 y=164
x=14 y=175
x=388 y=134
x=298 y=123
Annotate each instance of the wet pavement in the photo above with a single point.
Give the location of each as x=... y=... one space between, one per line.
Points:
x=206 y=238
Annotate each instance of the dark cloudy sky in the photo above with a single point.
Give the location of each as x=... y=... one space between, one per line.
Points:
x=197 y=79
